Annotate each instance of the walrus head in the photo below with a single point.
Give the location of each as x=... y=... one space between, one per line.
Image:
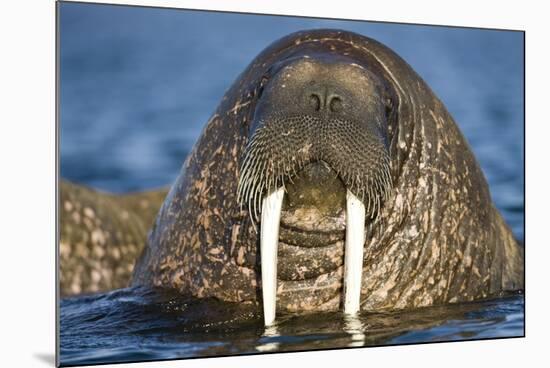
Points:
x=316 y=167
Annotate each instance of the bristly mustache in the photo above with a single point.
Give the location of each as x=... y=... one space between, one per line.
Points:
x=282 y=146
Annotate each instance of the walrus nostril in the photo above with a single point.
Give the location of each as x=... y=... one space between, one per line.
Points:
x=335 y=104
x=315 y=101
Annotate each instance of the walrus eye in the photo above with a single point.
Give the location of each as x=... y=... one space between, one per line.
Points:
x=263 y=82
x=388 y=106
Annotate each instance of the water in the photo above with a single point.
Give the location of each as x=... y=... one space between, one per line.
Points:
x=140 y=324
x=137 y=86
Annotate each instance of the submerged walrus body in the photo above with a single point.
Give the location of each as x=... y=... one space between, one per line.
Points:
x=328 y=116
x=101 y=236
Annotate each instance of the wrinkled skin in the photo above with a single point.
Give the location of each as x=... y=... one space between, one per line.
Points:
x=434 y=236
x=101 y=236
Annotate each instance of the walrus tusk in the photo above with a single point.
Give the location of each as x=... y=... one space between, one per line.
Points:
x=269 y=240
x=353 y=262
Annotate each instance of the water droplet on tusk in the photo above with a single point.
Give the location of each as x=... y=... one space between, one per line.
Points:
x=353 y=261
x=269 y=240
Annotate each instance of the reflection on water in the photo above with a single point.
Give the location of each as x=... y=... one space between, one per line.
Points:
x=138 y=84
x=354 y=327
x=141 y=324
x=268 y=340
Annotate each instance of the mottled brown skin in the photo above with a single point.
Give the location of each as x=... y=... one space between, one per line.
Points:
x=101 y=236
x=437 y=239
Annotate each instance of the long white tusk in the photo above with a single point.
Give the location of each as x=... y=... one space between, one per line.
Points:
x=353 y=263
x=269 y=240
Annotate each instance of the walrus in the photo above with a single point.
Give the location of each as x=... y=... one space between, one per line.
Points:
x=330 y=176
x=101 y=236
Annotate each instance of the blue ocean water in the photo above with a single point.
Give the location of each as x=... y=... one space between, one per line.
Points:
x=136 y=88
x=138 y=324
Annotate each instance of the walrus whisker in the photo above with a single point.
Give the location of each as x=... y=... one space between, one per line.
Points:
x=255 y=182
x=250 y=186
x=377 y=206
x=246 y=177
x=253 y=202
x=381 y=192
x=290 y=179
x=386 y=184
x=369 y=202
x=257 y=199
x=244 y=188
x=253 y=222
x=246 y=164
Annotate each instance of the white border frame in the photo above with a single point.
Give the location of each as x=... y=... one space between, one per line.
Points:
x=27 y=151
